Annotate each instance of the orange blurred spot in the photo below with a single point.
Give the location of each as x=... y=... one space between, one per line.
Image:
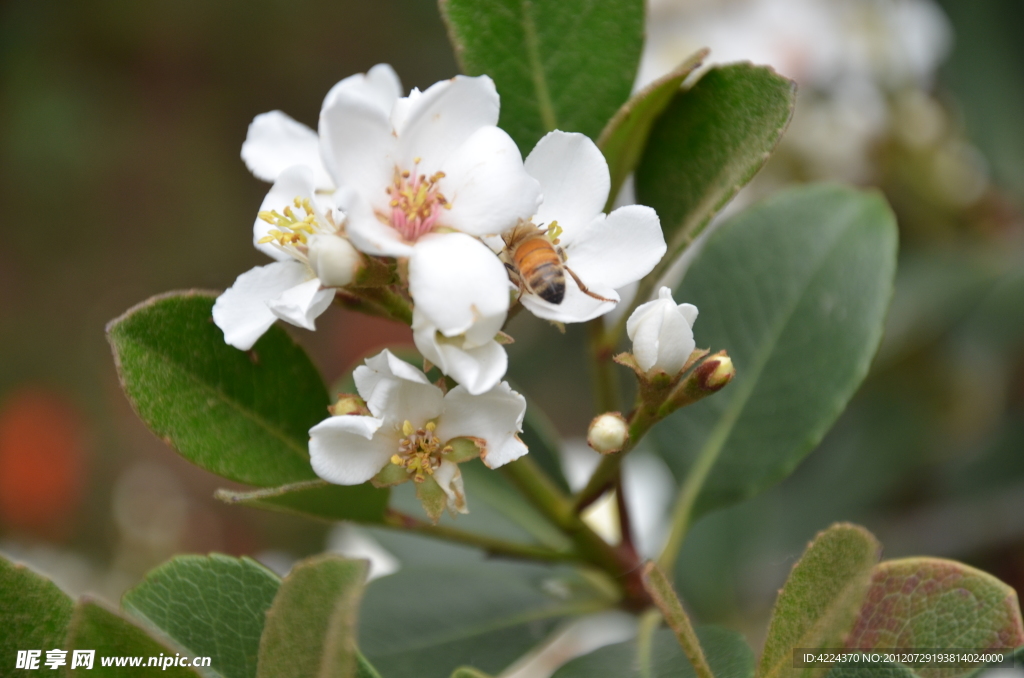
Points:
x=42 y=461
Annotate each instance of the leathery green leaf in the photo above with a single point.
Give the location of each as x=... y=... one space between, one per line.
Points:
x=310 y=628
x=708 y=143
x=317 y=499
x=34 y=613
x=94 y=627
x=796 y=290
x=212 y=606
x=244 y=415
x=624 y=137
x=936 y=604
x=820 y=599
x=558 y=64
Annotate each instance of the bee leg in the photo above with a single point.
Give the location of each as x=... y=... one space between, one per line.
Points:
x=583 y=288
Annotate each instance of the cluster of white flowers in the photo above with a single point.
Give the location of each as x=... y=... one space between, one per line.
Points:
x=429 y=186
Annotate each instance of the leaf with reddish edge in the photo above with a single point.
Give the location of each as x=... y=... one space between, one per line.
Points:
x=935 y=604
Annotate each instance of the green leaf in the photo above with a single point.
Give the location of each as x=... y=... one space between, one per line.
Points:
x=430 y=618
x=363 y=667
x=317 y=499
x=821 y=598
x=34 y=613
x=936 y=604
x=310 y=628
x=728 y=655
x=625 y=136
x=213 y=606
x=558 y=64
x=873 y=670
x=94 y=627
x=544 y=442
x=244 y=415
x=710 y=141
x=796 y=290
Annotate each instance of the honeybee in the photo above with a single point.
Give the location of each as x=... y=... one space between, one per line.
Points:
x=537 y=264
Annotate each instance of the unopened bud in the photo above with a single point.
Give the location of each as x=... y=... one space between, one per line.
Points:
x=608 y=433
x=349 y=404
x=715 y=372
x=662 y=334
x=334 y=260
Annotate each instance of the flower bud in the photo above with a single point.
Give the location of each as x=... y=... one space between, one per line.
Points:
x=715 y=372
x=608 y=433
x=662 y=333
x=349 y=404
x=334 y=260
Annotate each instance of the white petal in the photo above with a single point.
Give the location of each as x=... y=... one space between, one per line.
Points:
x=303 y=304
x=675 y=341
x=349 y=450
x=396 y=391
x=479 y=369
x=275 y=142
x=358 y=146
x=449 y=478
x=689 y=312
x=576 y=307
x=616 y=250
x=365 y=230
x=495 y=417
x=334 y=260
x=242 y=312
x=645 y=333
x=487 y=186
x=379 y=85
x=294 y=182
x=441 y=118
x=457 y=281
x=573 y=176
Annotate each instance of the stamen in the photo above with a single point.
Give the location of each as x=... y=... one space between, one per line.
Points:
x=416 y=202
x=419 y=451
x=292 y=230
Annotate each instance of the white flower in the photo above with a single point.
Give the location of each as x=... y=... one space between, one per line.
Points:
x=474 y=358
x=421 y=181
x=662 y=333
x=302 y=232
x=276 y=142
x=605 y=252
x=412 y=428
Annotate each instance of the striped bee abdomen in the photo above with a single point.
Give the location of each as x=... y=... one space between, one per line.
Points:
x=540 y=268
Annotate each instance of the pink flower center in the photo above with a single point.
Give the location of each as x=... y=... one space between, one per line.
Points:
x=416 y=202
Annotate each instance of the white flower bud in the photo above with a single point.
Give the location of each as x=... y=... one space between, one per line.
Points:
x=334 y=260
x=662 y=333
x=608 y=433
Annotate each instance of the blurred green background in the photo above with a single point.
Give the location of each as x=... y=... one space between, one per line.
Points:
x=120 y=178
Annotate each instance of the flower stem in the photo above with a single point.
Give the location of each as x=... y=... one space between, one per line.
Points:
x=665 y=598
x=620 y=563
x=400 y=521
x=396 y=306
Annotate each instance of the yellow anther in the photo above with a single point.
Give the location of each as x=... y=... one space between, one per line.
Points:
x=431 y=426
x=407 y=429
x=416 y=160
x=397 y=460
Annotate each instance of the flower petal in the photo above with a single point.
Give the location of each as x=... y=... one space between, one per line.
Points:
x=449 y=479
x=365 y=230
x=494 y=417
x=441 y=118
x=457 y=281
x=573 y=176
x=479 y=368
x=294 y=182
x=396 y=391
x=616 y=250
x=242 y=312
x=358 y=147
x=275 y=142
x=576 y=307
x=487 y=186
x=303 y=304
x=379 y=85
x=349 y=450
